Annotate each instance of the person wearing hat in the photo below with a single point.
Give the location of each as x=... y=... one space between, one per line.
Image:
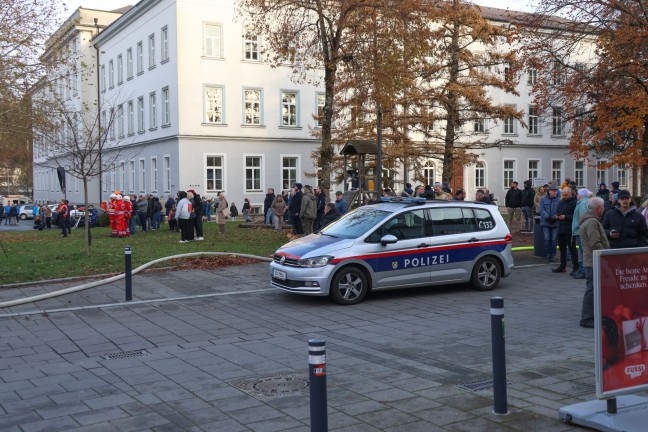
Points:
x=528 y=195
x=582 y=198
x=624 y=226
x=615 y=187
x=548 y=221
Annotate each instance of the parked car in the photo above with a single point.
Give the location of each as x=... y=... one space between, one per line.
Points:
x=400 y=243
x=26 y=211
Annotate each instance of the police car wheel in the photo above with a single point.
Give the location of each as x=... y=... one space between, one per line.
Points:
x=486 y=274
x=23 y=216
x=349 y=286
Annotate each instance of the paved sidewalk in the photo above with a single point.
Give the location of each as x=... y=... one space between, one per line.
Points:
x=400 y=361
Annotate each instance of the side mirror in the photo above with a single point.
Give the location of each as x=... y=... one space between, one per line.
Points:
x=388 y=239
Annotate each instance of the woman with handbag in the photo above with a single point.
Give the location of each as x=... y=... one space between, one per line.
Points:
x=223 y=212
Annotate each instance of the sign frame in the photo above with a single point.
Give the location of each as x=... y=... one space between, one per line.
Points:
x=620 y=288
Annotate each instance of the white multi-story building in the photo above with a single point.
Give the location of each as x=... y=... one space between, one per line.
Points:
x=195 y=107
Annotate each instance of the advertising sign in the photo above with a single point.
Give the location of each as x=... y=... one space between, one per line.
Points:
x=621 y=317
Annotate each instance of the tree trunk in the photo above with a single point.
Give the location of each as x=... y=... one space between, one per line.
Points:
x=326 y=148
x=87 y=218
x=643 y=185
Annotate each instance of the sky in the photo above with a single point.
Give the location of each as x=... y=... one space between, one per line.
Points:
x=521 y=5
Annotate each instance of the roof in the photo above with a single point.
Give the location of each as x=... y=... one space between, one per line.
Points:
x=356 y=147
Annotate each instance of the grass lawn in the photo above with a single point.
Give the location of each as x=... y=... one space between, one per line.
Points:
x=37 y=255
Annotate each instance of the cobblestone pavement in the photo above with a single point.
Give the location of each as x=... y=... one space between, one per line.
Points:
x=400 y=361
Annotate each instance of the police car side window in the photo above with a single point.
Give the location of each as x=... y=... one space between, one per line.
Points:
x=485 y=220
x=447 y=220
x=469 y=220
x=404 y=226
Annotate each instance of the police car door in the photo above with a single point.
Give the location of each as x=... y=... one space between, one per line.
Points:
x=401 y=263
x=455 y=243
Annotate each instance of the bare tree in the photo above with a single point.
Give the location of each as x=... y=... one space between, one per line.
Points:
x=84 y=141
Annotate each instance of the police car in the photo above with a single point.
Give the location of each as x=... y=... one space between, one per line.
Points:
x=394 y=244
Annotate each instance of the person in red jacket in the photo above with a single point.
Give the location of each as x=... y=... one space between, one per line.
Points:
x=119 y=216
x=128 y=213
x=112 y=216
x=63 y=216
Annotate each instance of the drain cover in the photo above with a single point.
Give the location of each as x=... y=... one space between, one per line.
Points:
x=125 y=354
x=484 y=384
x=284 y=384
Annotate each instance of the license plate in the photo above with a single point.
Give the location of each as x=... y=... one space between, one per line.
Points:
x=278 y=274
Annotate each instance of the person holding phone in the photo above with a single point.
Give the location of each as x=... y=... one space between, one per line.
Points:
x=625 y=227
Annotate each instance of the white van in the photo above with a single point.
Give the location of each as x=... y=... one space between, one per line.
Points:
x=15 y=199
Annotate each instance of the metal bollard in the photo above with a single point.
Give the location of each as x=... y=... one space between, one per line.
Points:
x=317 y=379
x=128 y=273
x=499 y=355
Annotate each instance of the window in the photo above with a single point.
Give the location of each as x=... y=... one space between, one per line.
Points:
x=140 y=114
x=509 y=125
x=103 y=78
x=579 y=173
x=120 y=69
x=479 y=125
x=532 y=76
x=252 y=106
x=509 y=173
x=622 y=176
x=321 y=99
x=140 y=58
x=534 y=169
x=212 y=43
x=166 y=107
x=154 y=175
x=164 y=38
x=428 y=173
x=152 y=111
x=534 y=121
x=131 y=171
x=75 y=81
x=122 y=176
x=151 y=51
x=508 y=71
x=104 y=121
x=142 y=176
x=288 y=171
x=557 y=123
x=251 y=45
x=120 y=121
x=111 y=74
x=480 y=175
x=601 y=173
x=214 y=105
x=289 y=109
x=129 y=63
x=405 y=226
x=253 y=173
x=557 y=171
x=214 y=165
x=447 y=221
x=112 y=123
x=557 y=73
x=131 y=118
x=167 y=173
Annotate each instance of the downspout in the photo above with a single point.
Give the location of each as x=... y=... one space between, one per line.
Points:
x=96 y=22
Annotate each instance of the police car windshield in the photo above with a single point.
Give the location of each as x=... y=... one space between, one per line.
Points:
x=356 y=223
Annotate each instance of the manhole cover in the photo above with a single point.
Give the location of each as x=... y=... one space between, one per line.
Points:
x=285 y=384
x=125 y=354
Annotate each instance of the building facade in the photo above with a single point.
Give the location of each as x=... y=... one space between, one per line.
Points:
x=189 y=104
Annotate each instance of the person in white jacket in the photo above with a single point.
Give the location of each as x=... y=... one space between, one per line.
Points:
x=183 y=213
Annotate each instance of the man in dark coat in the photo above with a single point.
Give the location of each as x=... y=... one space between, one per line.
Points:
x=320 y=200
x=295 y=208
x=168 y=205
x=513 y=202
x=624 y=226
x=267 y=207
x=528 y=195
x=565 y=217
x=330 y=214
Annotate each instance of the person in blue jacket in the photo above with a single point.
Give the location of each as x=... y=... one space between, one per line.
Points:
x=549 y=221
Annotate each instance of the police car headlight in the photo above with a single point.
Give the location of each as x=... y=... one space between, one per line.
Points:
x=319 y=261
